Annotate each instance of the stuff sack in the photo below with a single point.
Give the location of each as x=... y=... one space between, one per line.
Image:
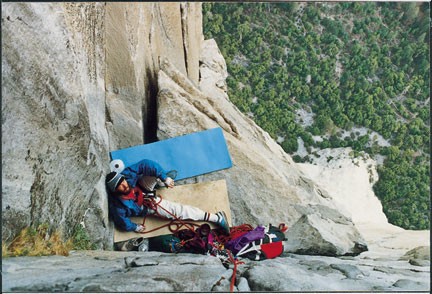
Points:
x=235 y=245
x=272 y=250
x=164 y=243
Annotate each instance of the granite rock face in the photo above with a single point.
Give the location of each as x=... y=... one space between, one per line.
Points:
x=319 y=273
x=86 y=83
x=264 y=184
x=113 y=272
x=78 y=81
x=82 y=79
x=109 y=271
x=53 y=116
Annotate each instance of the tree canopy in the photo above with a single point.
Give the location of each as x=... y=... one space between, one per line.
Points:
x=349 y=66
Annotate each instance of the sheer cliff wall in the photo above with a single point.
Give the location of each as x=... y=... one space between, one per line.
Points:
x=79 y=80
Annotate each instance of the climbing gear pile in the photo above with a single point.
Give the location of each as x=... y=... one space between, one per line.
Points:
x=227 y=244
x=258 y=250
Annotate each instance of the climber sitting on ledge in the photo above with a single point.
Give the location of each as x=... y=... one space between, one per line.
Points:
x=129 y=187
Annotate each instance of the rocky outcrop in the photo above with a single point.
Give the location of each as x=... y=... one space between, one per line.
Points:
x=137 y=36
x=324 y=231
x=348 y=181
x=313 y=273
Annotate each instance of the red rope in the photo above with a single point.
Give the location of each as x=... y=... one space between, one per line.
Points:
x=235 y=232
x=236 y=262
x=178 y=223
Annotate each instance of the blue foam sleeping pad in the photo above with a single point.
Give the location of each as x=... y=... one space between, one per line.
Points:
x=190 y=155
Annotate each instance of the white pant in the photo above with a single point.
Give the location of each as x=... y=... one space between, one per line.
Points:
x=181 y=211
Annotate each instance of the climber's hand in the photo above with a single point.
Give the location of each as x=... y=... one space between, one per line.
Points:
x=140 y=229
x=169 y=182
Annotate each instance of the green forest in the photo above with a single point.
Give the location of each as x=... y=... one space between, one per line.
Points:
x=350 y=66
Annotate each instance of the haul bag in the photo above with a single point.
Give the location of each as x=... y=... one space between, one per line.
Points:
x=262 y=249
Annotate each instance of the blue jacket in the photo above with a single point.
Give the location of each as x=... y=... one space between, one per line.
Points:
x=145 y=167
x=121 y=210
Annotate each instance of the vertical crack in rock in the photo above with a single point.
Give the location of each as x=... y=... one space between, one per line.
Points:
x=150 y=118
x=162 y=24
x=149 y=108
x=184 y=26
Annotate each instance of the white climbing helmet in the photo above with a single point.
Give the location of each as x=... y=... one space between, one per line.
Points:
x=117 y=165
